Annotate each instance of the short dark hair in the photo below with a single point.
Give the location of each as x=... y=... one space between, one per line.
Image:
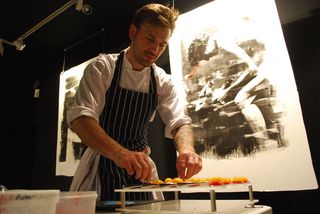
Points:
x=156 y=14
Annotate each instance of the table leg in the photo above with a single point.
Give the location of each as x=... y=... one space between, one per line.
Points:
x=213 y=201
x=123 y=199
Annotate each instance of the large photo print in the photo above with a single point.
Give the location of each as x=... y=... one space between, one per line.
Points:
x=69 y=146
x=230 y=61
x=230 y=98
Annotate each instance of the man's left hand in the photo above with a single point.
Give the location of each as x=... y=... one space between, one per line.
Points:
x=188 y=164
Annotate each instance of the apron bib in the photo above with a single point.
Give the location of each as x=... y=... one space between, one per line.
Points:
x=125 y=118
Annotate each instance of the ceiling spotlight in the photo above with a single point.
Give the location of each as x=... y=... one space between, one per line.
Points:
x=87 y=9
x=19 y=44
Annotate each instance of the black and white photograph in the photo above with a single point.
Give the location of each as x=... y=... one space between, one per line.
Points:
x=230 y=99
x=236 y=77
x=69 y=145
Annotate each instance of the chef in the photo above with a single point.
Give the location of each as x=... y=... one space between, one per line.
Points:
x=117 y=97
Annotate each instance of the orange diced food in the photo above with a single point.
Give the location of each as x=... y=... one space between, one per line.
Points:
x=240 y=179
x=157 y=181
x=168 y=180
x=215 y=181
x=177 y=180
x=226 y=180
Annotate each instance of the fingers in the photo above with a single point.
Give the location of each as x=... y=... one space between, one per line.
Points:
x=188 y=164
x=182 y=165
x=130 y=170
x=194 y=166
x=140 y=167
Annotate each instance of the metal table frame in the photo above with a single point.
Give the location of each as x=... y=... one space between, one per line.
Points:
x=182 y=189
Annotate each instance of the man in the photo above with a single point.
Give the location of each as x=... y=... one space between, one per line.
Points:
x=116 y=98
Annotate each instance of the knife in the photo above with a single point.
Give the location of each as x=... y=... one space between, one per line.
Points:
x=141 y=186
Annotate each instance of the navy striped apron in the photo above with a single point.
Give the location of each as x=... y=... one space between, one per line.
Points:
x=125 y=118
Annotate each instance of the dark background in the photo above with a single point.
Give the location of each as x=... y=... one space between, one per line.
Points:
x=29 y=125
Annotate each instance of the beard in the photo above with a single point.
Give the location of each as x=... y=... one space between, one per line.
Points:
x=143 y=57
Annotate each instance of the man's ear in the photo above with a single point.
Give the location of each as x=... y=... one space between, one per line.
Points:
x=132 y=31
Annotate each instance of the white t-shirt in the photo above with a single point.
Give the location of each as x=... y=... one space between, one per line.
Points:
x=89 y=99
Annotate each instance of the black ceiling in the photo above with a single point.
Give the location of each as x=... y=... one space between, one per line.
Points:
x=72 y=26
x=109 y=18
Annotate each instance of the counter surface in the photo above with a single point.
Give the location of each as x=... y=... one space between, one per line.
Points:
x=196 y=206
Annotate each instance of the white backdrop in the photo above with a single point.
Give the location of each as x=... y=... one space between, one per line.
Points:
x=69 y=146
x=282 y=164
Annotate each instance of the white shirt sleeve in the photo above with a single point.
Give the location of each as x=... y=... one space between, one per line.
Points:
x=171 y=107
x=89 y=99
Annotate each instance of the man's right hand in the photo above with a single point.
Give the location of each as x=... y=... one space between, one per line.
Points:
x=90 y=132
x=136 y=163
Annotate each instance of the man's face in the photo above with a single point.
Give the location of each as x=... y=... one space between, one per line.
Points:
x=148 y=43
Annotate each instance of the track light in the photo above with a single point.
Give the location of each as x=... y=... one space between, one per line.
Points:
x=18 y=43
x=85 y=8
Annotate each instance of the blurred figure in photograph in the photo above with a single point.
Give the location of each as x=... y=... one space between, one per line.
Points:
x=227 y=64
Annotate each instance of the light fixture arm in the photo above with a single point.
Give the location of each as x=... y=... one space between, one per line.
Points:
x=3 y=41
x=18 y=43
x=49 y=18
